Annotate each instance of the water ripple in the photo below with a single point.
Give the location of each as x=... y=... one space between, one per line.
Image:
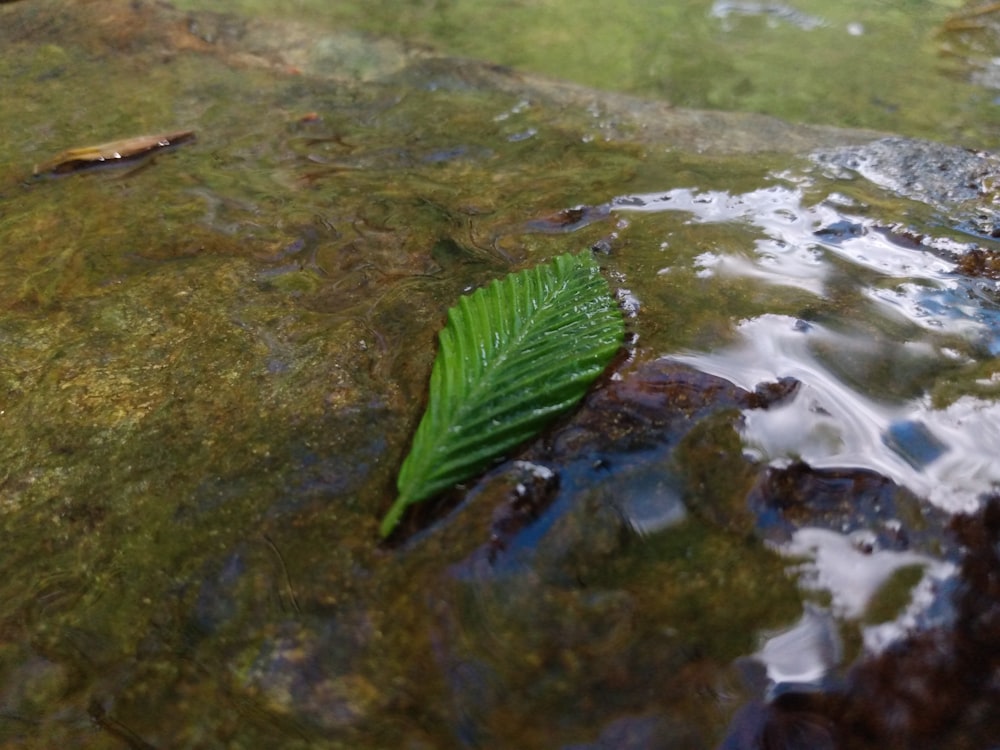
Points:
x=837 y=418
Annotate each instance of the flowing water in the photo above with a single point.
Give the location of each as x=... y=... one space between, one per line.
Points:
x=212 y=360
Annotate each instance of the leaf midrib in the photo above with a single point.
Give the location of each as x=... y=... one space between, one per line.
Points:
x=473 y=400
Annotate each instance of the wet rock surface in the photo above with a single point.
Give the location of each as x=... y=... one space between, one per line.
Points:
x=849 y=501
x=545 y=550
x=953 y=179
x=210 y=368
x=571 y=510
x=623 y=448
x=542 y=548
x=934 y=173
x=936 y=688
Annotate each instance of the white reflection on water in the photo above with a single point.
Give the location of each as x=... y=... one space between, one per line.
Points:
x=829 y=424
x=805 y=652
x=724 y=10
x=796 y=238
x=948 y=456
x=854 y=577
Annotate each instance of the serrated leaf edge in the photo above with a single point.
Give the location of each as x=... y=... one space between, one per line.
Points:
x=457 y=386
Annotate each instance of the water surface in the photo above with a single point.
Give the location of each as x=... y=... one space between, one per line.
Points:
x=212 y=363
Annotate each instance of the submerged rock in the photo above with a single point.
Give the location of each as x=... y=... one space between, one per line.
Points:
x=934 y=173
x=962 y=182
x=849 y=501
x=936 y=688
x=599 y=537
x=210 y=371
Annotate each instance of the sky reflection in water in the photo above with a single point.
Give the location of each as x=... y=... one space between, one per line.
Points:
x=946 y=455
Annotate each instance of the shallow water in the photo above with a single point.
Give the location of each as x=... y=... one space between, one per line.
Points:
x=902 y=66
x=212 y=363
x=859 y=405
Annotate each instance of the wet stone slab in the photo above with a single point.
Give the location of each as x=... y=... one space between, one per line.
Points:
x=949 y=178
x=211 y=367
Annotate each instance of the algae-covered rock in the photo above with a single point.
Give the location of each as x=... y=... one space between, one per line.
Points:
x=211 y=367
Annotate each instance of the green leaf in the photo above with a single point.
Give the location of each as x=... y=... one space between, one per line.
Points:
x=513 y=356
